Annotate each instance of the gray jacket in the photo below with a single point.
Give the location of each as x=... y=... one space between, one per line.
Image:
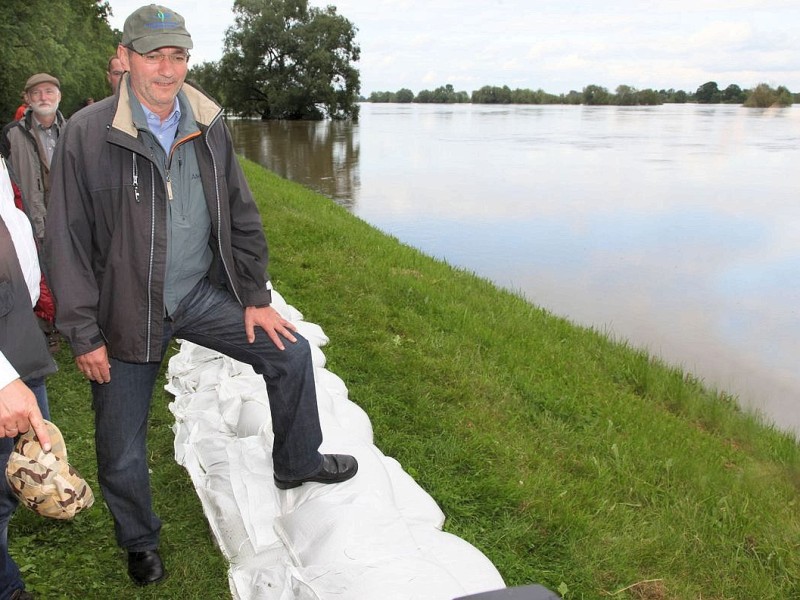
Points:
x=19 y=145
x=106 y=239
x=21 y=339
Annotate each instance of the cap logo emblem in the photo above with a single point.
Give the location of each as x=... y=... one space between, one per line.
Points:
x=162 y=22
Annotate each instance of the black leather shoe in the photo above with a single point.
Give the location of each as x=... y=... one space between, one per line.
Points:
x=335 y=469
x=145 y=567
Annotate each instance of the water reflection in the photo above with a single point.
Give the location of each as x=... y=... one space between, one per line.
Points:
x=673 y=227
x=321 y=155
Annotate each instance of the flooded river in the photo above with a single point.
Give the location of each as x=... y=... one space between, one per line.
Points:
x=674 y=227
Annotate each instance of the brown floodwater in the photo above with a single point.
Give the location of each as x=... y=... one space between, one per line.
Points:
x=676 y=228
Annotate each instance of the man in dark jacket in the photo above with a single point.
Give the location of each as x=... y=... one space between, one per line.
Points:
x=24 y=362
x=153 y=233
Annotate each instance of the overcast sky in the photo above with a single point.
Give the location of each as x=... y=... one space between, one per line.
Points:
x=553 y=45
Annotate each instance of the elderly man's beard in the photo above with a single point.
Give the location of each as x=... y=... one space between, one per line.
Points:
x=44 y=109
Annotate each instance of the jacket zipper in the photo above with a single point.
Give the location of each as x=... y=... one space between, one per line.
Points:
x=168 y=170
x=152 y=258
x=135 y=178
x=169 y=184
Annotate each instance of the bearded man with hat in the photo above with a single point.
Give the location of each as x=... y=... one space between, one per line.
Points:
x=29 y=144
x=153 y=233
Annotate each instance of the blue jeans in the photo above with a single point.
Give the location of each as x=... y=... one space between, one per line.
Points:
x=10 y=578
x=212 y=318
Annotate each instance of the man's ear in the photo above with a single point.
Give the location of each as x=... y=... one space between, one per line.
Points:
x=122 y=55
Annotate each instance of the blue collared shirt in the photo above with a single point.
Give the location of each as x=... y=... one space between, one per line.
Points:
x=164 y=132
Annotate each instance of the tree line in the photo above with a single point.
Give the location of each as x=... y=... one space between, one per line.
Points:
x=70 y=39
x=282 y=60
x=762 y=95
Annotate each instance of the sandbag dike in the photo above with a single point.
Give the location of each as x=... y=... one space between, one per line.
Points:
x=378 y=535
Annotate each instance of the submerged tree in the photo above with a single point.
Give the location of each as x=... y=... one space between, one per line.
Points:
x=489 y=94
x=708 y=93
x=403 y=96
x=445 y=94
x=595 y=94
x=733 y=94
x=764 y=96
x=284 y=60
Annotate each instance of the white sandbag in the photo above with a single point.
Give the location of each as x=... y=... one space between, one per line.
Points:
x=355 y=528
x=332 y=383
x=352 y=423
x=377 y=535
x=233 y=391
x=317 y=357
x=463 y=561
x=219 y=507
x=253 y=416
x=253 y=489
x=414 y=503
x=226 y=523
x=208 y=451
x=372 y=480
x=233 y=387
x=196 y=406
x=390 y=578
x=209 y=377
x=279 y=582
x=312 y=332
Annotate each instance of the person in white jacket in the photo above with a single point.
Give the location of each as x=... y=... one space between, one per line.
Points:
x=24 y=361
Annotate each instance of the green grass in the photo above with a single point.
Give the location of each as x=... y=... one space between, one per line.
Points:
x=79 y=558
x=570 y=460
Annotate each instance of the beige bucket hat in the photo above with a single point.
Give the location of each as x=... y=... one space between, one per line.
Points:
x=44 y=481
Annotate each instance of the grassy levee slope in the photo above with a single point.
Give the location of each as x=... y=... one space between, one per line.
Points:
x=570 y=460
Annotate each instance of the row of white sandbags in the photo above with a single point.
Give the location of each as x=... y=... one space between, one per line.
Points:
x=376 y=536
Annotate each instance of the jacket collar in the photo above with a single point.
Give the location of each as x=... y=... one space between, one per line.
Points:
x=30 y=123
x=205 y=110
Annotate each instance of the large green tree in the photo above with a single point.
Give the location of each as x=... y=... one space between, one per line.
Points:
x=70 y=39
x=733 y=94
x=708 y=93
x=286 y=60
x=596 y=94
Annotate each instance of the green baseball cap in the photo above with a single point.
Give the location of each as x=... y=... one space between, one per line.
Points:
x=151 y=27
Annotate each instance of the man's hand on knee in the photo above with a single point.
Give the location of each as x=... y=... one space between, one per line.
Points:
x=268 y=319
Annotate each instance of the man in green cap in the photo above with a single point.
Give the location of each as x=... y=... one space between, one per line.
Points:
x=153 y=234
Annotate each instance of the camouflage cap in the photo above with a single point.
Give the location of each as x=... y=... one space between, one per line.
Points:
x=44 y=481
x=151 y=27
